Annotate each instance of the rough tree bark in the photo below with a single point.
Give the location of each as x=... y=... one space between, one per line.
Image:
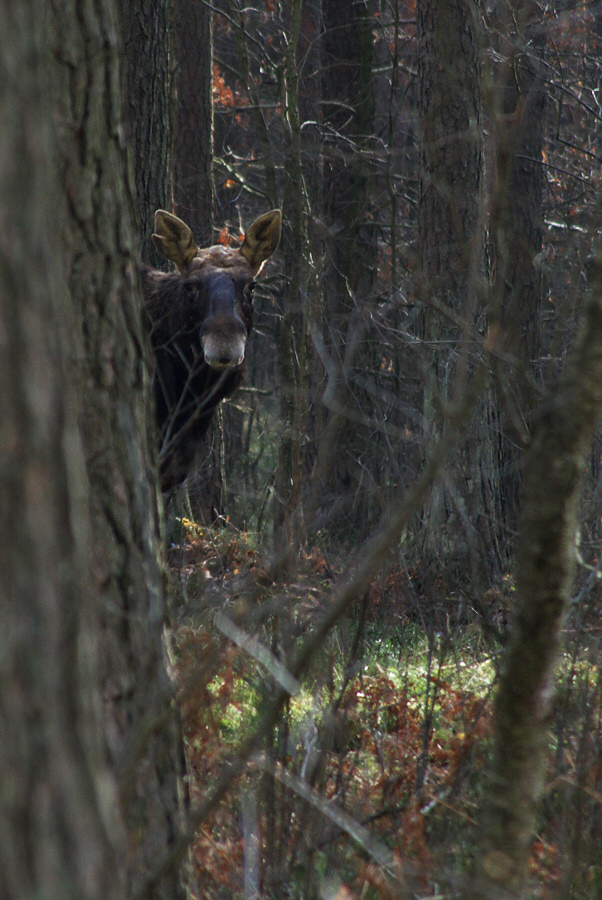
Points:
x=108 y=367
x=518 y=116
x=450 y=242
x=290 y=340
x=194 y=203
x=347 y=470
x=148 y=105
x=60 y=829
x=193 y=139
x=450 y=112
x=545 y=562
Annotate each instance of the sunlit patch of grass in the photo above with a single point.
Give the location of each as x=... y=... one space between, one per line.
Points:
x=419 y=665
x=238 y=704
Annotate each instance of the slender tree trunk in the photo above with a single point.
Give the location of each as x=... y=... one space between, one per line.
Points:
x=194 y=203
x=518 y=117
x=291 y=331
x=450 y=239
x=348 y=464
x=148 y=108
x=545 y=564
x=193 y=146
x=450 y=113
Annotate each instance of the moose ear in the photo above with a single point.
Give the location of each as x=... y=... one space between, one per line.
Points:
x=261 y=239
x=173 y=238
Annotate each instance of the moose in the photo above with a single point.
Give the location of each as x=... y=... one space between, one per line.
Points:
x=200 y=318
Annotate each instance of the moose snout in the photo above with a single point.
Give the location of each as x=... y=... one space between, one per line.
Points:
x=224 y=340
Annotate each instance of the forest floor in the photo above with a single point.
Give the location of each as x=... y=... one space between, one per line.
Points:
x=369 y=784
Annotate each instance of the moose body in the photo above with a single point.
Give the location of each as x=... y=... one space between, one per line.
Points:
x=200 y=320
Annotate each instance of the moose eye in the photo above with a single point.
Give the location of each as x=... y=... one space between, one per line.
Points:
x=249 y=290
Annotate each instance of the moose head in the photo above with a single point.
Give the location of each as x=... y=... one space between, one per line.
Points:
x=201 y=318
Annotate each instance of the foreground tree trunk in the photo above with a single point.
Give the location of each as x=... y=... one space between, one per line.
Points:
x=545 y=564
x=108 y=369
x=61 y=834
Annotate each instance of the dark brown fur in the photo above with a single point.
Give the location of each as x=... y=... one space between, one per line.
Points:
x=200 y=319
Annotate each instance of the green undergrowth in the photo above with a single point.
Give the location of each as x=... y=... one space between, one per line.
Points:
x=388 y=732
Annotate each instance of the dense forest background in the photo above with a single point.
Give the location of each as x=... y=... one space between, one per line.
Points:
x=358 y=655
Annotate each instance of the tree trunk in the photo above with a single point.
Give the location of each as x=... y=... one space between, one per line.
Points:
x=450 y=241
x=61 y=828
x=193 y=144
x=148 y=107
x=450 y=113
x=290 y=345
x=545 y=563
x=194 y=203
x=348 y=465
x=518 y=116
x=109 y=368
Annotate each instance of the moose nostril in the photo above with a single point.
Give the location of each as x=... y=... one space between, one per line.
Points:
x=222 y=353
